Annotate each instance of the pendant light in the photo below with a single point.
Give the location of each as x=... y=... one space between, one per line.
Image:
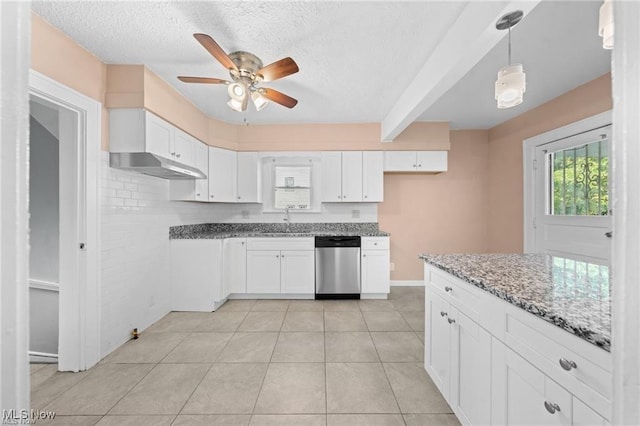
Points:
x=511 y=83
x=239 y=97
x=605 y=24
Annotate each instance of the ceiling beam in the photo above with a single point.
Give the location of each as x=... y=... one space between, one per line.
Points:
x=468 y=40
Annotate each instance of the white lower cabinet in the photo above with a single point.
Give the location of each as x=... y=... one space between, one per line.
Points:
x=374 y=266
x=297 y=272
x=458 y=359
x=263 y=271
x=497 y=364
x=196 y=278
x=280 y=266
x=234 y=268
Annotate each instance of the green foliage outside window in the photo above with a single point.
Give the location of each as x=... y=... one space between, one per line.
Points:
x=580 y=179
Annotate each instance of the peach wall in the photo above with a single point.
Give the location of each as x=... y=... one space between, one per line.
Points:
x=57 y=56
x=360 y=136
x=505 y=183
x=438 y=213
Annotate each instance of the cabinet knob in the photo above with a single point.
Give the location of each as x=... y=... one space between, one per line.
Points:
x=443 y=314
x=375 y=244
x=364 y=255
x=197 y=195
x=419 y=165
x=551 y=407
x=238 y=197
x=243 y=243
x=277 y=255
x=282 y=255
x=567 y=364
x=178 y=155
x=366 y=196
x=414 y=165
x=173 y=153
x=451 y=320
x=448 y=289
x=339 y=196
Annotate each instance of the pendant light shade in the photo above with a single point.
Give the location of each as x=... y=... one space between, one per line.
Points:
x=510 y=86
x=605 y=25
x=511 y=83
x=259 y=101
x=239 y=97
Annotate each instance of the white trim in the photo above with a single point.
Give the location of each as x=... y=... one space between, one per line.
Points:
x=15 y=24
x=528 y=154
x=79 y=337
x=42 y=357
x=626 y=213
x=407 y=283
x=44 y=285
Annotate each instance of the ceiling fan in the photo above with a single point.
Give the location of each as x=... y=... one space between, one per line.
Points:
x=247 y=73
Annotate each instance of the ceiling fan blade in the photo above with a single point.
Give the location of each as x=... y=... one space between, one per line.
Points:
x=278 y=97
x=205 y=80
x=278 y=69
x=212 y=47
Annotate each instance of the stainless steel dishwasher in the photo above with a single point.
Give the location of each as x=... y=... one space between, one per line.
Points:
x=337 y=267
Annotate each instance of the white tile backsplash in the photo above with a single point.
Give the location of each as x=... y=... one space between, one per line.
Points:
x=135 y=218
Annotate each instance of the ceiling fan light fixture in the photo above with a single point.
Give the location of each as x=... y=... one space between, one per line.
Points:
x=259 y=101
x=235 y=105
x=237 y=91
x=510 y=86
x=605 y=24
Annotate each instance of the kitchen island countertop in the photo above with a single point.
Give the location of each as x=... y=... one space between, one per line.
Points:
x=571 y=294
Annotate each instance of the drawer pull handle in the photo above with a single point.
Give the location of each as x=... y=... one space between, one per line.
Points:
x=567 y=365
x=451 y=320
x=448 y=289
x=551 y=407
x=443 y=314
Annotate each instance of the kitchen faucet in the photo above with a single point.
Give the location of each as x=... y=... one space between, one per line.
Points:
x=287 y=219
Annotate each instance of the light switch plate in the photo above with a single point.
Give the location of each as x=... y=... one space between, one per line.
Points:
x=355 y=214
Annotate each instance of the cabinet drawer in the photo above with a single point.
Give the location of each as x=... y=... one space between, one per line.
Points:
x=461 y=297
x=375 y=243
x=267 y=243
x=539 y=342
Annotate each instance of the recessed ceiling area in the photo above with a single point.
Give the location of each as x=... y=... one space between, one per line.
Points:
x=357 y=59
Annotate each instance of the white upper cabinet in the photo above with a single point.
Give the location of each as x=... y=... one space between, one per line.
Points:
x=222 y=175
x=415 y=161
x=352 y=176
x=184 y=148
x=249 y=178
x=372 y=176
x=331 y=176
x=138 y=130
x=193 y=189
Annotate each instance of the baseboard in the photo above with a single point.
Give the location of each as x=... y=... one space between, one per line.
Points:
x=407 y=283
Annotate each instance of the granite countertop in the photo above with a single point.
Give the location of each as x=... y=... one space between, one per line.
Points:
x=245 y=230
x=570 y=294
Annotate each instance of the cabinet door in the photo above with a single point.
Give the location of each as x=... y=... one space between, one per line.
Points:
x=372 y=176
x=375 y=271
x=331 y=177
x=184 y=148
x=201 y=162
x=234 y=278
x=585 y=416
x=297 y=272
x=431 y=161
x=352 y=176
x=400 y=161
x=470 y=370
x=263 y=271
x=196 y=278
x=437 y=349
x=249 y=178
x=158 y=136
x=522 y=391
x=222 y=175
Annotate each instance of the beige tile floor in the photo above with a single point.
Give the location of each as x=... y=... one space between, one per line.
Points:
x=265 y=362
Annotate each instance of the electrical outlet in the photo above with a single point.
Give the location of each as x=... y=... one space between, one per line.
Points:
x=245 y=214
x=355 y=214
x=392 y=266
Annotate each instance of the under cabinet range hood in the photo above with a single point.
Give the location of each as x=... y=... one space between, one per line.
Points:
x=153 y=165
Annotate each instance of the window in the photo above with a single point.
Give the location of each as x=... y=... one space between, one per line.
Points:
x=579 y=180
x=292 y=187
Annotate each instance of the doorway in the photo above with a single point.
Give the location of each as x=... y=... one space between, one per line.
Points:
x=63 y=117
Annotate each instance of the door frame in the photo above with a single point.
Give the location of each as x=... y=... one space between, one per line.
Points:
x=529 y=155
x=79 y=312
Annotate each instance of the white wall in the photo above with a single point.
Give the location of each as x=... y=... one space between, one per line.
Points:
x=135 y=218
x=44 y=213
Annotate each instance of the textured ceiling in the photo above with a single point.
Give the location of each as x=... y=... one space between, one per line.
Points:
x=356 y=58
x=559 y=46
